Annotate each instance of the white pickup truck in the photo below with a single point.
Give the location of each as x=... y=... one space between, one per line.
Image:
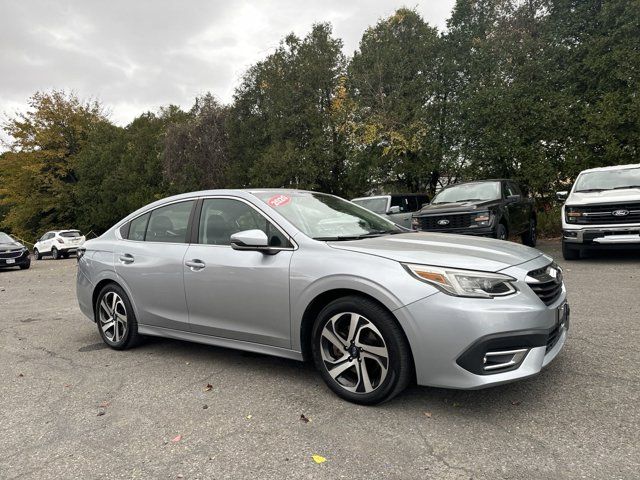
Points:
x=602 y=210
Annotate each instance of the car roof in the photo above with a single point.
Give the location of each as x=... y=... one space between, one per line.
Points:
x=614 y=167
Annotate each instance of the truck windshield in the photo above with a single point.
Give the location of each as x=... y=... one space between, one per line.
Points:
x=378 y=205
x=468 y=192
x=325 y=217
x=608 y=180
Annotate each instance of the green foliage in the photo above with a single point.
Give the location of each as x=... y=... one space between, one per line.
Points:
x=536 y=90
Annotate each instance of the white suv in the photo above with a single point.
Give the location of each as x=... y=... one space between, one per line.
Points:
x=58 y=244
x=602 y=210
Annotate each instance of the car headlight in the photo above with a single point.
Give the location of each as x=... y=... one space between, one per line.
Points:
x=464 y=283
x=482 y=218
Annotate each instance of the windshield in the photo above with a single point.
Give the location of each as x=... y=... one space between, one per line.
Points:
x=4 y=238
x=377 y=205
x=70 y=234
x=325 y=217
x=608 y=180
x=469 y=191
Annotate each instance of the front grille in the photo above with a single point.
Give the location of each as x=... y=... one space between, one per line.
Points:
x=603 y=214
x=458 y=220
x=552 y=339
x=547 y=287
x=11 y=254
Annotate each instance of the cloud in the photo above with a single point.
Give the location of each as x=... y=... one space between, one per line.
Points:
x=140 y=55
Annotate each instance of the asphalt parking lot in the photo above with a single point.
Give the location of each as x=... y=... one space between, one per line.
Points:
x=72 y=408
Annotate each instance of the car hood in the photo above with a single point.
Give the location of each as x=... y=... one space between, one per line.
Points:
x=456 y=207
x=10 y=246
x=443 y=250
x=606 y=196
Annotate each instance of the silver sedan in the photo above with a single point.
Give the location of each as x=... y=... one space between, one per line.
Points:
x=305 y=275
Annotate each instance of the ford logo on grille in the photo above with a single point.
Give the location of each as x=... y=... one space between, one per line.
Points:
x=620 y=213
x=444 y=221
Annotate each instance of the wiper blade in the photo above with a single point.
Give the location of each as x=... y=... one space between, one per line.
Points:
x=375 y=233
x=626 y=186
x=592 y=190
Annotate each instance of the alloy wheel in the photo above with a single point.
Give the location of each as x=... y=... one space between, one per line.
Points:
x=354 y=352
x=113 y=317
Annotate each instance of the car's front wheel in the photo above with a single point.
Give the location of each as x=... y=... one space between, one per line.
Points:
x=36 y=254
x=361 y=351
x=569 y=252
x=114 y=316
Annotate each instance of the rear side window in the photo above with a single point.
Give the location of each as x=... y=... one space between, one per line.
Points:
x=412 y=204
x=138 y=227
x=169 y=224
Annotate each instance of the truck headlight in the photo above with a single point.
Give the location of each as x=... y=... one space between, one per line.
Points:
x=464 y=283
x=482 y=219
x=572 y=214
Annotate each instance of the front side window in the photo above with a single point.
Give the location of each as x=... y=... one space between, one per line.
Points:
x=401 y=202
x=325 y=217
x=169 y=224
x=377 y=205
x=222 y=217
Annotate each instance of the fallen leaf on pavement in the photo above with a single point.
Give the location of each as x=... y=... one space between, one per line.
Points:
x=318 y=458
x=427 y=414
x=20 y=375
x=515 y=402
x=104 y=404
x=100 y=413
x=249 y=417
x=176 y=439
x=208 y=387
x=304 y=419
x=204 y=407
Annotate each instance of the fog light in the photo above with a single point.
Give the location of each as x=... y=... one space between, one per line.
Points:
x=499 y=360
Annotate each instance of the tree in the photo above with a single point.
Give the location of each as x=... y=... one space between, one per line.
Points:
x=42 y=174
x=195 y=155
x=399 y=101
x=283 y=130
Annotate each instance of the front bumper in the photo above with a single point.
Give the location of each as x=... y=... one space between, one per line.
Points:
x=450 y=336
x=604 y=236
x=10 y=261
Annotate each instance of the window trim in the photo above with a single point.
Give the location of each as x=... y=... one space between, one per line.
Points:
x=196 y=223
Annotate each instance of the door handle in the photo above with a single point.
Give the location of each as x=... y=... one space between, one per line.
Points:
x=195 y=264
x=126 y=258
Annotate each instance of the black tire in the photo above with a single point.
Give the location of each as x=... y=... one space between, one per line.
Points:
x=55 y=254
x=501 y=232
x=130 y=337
x=570 y=252
x=399 y=361
x=530 y=237
x=65 y=255
x=36 y=254
x=25 y=266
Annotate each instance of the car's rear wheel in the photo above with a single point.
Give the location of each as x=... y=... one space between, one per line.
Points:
x=36 y=254
x=570 y=252
x=361 y=351
x=116 y=321
x=530 y=237
x=55 y=253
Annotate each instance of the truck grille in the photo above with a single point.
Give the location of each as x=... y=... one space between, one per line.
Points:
x=458 y=220
x=547 y=287
x=604 y=214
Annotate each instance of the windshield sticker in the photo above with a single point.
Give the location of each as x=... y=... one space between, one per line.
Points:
x=279 y=200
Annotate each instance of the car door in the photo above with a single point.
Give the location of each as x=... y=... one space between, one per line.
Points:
x=150 y=262
x=46 y=242
x=238 y=294
x=402 y=218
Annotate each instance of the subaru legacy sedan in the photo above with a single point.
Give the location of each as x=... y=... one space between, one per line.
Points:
x=305 y=275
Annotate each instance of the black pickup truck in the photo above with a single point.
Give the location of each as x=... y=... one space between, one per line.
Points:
x=490 y=208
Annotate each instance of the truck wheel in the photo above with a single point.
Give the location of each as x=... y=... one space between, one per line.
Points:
x=570 y=253
x=530 y=237
x=501 y=232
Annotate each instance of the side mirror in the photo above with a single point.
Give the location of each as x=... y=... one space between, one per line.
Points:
x=394 y=209
x=562 y=196
x=250 y=240
x=514 y=198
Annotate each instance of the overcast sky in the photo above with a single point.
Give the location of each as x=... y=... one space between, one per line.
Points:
x=138 y=55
